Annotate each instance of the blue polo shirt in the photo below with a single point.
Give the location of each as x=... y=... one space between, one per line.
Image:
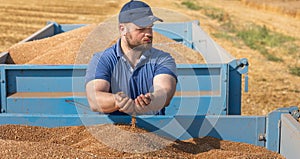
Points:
x=112 y=66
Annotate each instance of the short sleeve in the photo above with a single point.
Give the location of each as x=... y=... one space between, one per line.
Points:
x=166 y=65
x=98 y=68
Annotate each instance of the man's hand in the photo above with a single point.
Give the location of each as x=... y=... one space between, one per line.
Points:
x=142 y=101
x=124 y=103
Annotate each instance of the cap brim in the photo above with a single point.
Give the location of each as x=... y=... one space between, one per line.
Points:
x=146 y=21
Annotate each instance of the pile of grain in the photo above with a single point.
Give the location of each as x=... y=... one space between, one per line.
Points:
x=77 y=142
x=78 y=46
x=59 y=49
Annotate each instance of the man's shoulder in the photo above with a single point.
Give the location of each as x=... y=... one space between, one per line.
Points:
x=158 y=52
x=108 y=52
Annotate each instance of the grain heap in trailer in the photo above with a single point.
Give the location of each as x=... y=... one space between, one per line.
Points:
x=39 y=88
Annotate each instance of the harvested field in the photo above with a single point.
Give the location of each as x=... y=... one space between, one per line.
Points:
x=286 y=7
x=78 y=142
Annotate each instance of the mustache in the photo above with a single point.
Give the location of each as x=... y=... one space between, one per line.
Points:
x=148 y=39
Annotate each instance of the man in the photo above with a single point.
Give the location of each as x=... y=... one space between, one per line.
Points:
x=132 y=77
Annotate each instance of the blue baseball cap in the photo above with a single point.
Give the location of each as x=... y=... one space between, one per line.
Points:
x=138 y=13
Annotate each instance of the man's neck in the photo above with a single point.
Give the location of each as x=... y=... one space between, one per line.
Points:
x=130 y=54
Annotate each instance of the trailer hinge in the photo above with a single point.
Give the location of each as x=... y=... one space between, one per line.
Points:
x=295 y=114
x=242 y=68
x=262 y=137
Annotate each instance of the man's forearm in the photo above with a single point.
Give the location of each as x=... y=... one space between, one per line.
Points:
x=103 y=102
x=99 y=98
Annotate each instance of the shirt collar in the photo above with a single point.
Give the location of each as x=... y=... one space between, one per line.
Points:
x=119 y=50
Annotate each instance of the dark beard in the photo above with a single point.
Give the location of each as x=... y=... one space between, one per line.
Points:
x=143 y=47
x=139 y=47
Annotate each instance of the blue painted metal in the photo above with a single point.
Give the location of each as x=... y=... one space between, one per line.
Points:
x=274 y=127
x=47 y=31
x=234 y=128
x=43 y=81
x=196 y=106
x=202 y=89
x=207 y=77
x=244 y=129
x=272 y=135
x=290 y=137
x=3 y=91
x=69 y=27
x=180 y=32
x=236 y=69
x=44 y=105
x=209 y=49
x=58 y=120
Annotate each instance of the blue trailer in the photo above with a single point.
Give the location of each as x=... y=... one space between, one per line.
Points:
x=207 y=100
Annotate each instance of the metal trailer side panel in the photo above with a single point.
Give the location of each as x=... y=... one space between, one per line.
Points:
x=234 y=128
x=49 y=30
x=3 y=57
x=290 y=137
x=272 y=135
x=51 y=89
x=3 y=91
x=273 y=127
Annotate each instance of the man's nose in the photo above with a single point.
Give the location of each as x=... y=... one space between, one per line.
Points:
x=148 y=32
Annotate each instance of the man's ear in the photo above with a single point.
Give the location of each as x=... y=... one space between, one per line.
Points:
x=123 y=29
